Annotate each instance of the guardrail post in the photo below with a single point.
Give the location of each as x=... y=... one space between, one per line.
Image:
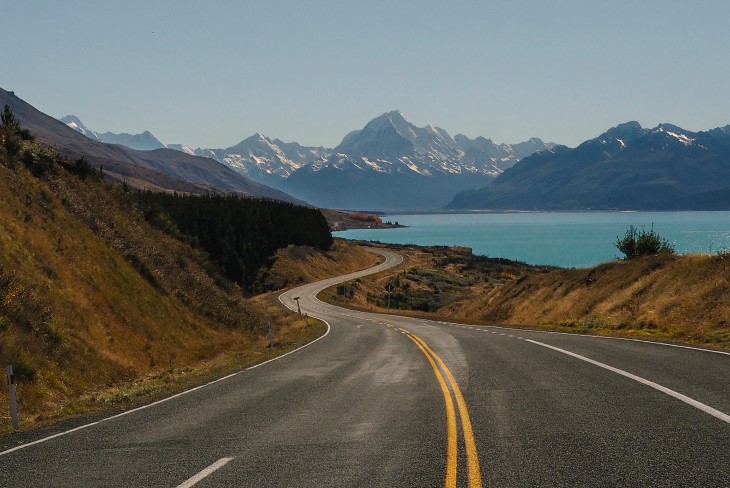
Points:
x=11 y=396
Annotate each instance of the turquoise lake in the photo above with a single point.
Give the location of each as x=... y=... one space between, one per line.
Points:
x=567 y=239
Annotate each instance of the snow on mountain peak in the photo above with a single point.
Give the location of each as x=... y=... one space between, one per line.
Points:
x=687 y=141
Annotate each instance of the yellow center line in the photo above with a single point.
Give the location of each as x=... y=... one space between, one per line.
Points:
x=450 y=480
x=472 y=458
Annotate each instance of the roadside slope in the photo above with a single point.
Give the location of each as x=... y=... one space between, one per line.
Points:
x=98 y=308
x=680 y=298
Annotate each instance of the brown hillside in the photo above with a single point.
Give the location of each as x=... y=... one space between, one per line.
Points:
x=678 y=298
x=92 y=298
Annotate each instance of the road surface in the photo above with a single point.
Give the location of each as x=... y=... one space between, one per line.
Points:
x=387 y=401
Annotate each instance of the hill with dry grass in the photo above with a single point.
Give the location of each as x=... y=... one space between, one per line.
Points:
x=664 y=297
x=97 y=306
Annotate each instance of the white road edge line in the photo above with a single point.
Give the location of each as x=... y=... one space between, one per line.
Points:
x=205 y=473
x=589 y=336
x=689 y=401
x=86 y=426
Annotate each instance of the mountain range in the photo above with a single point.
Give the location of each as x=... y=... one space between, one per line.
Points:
x=626 y=168
x=392 y=164
x=160 y=169
x=143 y=142
x=389 y=164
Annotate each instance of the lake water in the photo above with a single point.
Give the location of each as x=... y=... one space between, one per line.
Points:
x=567 y=239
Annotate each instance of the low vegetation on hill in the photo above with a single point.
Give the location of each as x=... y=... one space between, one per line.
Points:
x=97 y=306
x=664 y=296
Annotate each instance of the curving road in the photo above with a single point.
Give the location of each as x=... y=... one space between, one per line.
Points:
x=386 y=401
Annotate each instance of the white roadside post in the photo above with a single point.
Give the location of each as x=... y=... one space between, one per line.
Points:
x=299 y=309
x=11 y=396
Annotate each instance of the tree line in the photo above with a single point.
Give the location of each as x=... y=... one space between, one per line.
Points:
x=240 y=234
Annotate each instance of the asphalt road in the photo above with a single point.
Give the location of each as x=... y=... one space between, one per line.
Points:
x=386 y=401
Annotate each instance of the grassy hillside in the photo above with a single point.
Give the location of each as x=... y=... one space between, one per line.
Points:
x=93 y=298
x=683 y=298
x=678 y=298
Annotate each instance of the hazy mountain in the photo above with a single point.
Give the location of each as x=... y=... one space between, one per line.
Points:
x=392 y=164
x=627 y=167
x=144 y=141
x=160 y=169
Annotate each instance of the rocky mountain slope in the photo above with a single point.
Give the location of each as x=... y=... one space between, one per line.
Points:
x=627 y=167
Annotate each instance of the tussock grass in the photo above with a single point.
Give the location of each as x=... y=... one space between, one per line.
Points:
x=664 y=297
x=674 y=297
x=100 y=310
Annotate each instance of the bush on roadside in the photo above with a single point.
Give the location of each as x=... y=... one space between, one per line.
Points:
x=637 y=243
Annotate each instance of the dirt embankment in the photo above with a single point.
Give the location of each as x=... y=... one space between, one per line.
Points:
x=677 y=298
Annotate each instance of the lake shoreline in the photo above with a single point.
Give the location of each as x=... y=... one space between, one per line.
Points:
x=562 y=239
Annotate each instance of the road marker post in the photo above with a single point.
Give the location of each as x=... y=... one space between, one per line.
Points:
x=389 y=288
x=271 y=336
x=11 y=396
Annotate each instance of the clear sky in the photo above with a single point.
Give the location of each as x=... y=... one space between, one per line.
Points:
x=209 y=74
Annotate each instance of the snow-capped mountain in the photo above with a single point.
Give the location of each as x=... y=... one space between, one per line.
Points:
x=76 y=124
x=391 y=143
x=143 y=142
x=265 y=160
x=626 y=167
x=388 y=164
x=392 y=164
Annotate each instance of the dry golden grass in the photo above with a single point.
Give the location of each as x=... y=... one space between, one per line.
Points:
x=677 y=298
x=673 y=297
x=294 y=266
x=98 y=309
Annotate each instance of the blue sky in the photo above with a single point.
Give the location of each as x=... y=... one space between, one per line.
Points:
x=209 y=74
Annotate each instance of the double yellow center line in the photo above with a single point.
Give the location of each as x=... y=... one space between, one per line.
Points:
x=472 y=459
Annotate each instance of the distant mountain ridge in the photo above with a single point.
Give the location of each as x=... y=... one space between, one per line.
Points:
x=258 y=157
x=628 y=168
x=266 y=160
x=160 y=169
x=389 y=164
x=143 y=142
x=392 y=164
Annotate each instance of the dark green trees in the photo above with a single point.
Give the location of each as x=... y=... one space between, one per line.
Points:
x=8 y=122
x=240 y=234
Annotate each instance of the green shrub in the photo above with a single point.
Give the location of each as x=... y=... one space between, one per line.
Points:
x=636 y=243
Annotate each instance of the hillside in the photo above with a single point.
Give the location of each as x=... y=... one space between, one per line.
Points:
x=677 y=298
x=98 y=307
x=627 y=167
